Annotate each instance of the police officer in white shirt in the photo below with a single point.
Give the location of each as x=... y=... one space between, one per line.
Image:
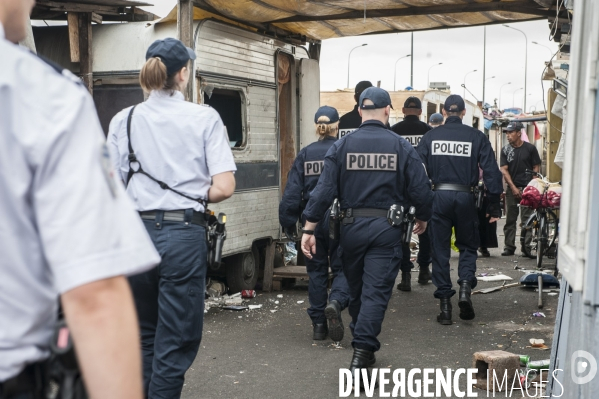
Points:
x=68 y=229
x=179 y=148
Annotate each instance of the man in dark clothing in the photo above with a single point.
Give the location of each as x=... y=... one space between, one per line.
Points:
x=435 y=120
x=412 y=129
x=352 y=120
x=516 y=157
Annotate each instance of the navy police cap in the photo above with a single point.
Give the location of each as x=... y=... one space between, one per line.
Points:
x=327 y=111
x=436 y=118
x=379 y=97
x=172 y=52
x=454 y=103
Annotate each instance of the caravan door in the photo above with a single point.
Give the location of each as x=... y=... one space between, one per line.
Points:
x=308 y=101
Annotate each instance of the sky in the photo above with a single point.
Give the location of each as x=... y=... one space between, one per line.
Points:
x=459 y=50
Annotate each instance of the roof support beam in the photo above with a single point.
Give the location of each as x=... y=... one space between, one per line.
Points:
x=522 y=7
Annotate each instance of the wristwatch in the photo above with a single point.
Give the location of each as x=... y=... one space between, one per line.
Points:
x=309 y=232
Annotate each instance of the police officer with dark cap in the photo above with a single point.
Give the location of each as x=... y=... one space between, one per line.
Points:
x=435 y=120
x=372 y=172
x=412 y=129
x=352 y=120
x=452 y=154
x=302 y=178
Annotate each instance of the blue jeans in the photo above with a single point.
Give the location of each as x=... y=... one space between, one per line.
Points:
x=170 y=304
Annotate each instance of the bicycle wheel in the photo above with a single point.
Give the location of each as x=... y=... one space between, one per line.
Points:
x=541 y=239
x=529 y=234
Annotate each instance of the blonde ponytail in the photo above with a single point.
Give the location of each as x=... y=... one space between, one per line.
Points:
x=324 y=128
x=153 y=76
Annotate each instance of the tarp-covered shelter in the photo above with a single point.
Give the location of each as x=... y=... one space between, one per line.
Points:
x=325 y=19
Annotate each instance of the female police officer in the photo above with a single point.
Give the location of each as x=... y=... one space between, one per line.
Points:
x=302 y=179
x=185 y=146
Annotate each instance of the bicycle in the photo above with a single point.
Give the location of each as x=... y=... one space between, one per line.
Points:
x=541 y=231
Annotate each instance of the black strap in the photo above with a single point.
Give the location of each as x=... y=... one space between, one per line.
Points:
x=133 y=159
x=366 y=213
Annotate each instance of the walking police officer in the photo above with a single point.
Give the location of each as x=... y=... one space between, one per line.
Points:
x=452 y=154
x=68 y=230
x=352 y=120
x=412 y=129
x=302 y=179
x=372 y=172
x=186 y=146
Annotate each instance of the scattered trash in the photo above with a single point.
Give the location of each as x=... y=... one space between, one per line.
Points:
x=252 y=307
x=538 y=344
x=248 y=293
x=235 y=307
x=280 y=296
x=222 y=301
x=277 y=302
x=493 y=289
x=300 y=302
x=272 y=311
x=483 y=274
x=539 y=314
x=539 y=364
x=552 y=293
x=497 y=277
x=215 y=288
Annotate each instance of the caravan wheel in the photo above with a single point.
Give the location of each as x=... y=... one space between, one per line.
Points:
x=242 y=271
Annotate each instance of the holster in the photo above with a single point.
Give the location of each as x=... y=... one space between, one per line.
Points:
x=216 y=234
x=334 y=221
x=479 y=193
x=408 y=225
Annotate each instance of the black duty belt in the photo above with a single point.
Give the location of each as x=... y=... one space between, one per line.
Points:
x=453 y=187
x=175 y=216
x=348 y=215
x=31 y=380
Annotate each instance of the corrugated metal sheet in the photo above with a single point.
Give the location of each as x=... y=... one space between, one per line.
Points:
x=336 y=18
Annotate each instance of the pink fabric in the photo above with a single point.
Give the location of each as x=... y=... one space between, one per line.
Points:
x=525 y=136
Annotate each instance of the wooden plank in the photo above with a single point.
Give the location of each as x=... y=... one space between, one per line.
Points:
x=290 y=272
x=85 y=50
x=73 y=25
x=97 y=18
x=185 y=32
x=269 y=263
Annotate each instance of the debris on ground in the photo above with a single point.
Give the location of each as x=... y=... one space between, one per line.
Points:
x=493 y=289
x=539 y=314
x=252 y=307
x=495 y=277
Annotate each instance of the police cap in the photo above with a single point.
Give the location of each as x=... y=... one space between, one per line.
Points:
x=412 y=102
x=172 y=52
x=514 y=127
x=454 y=103
x=327 y=111
x=379 y=97
x=436 y=118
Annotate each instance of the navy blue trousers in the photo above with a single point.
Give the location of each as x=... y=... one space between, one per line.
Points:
x=458 y=210
x=170 y=305
x=424 y=253
x=371 y=253
x=318 y=272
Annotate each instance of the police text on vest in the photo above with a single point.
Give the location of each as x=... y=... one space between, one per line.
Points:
x=356 y=161
x=313 y=168
x=343 y=132
x=452 y=148
x=414 y=140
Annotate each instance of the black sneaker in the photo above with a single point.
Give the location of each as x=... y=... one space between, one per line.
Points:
x=484 y=252
x=333 y=314
x=507 y=252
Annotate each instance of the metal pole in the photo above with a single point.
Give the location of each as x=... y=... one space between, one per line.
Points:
x=525 y=61
x=412 y=63
x=464 y=96
x=362 y=45
x=484 y=61
x=395 y=70
x=501 y=88
x=428 y=76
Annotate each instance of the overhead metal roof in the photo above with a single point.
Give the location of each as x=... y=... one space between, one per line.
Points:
x=110 y=10
x=324 y=19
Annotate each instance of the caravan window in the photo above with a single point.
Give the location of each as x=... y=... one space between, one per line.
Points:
x=110 y=99
x=230 y=106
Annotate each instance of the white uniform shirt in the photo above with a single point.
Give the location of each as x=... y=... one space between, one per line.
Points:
x=66 y=220
x=178 y=142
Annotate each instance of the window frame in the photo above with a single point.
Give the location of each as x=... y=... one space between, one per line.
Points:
x=243 y=94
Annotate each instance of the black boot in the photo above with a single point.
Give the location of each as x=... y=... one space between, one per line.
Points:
x=333 y=314
x=362 y=359
x=424 y=275
x=320 y=331
x=406 y=283
x=465 y=304
x=445 y=316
